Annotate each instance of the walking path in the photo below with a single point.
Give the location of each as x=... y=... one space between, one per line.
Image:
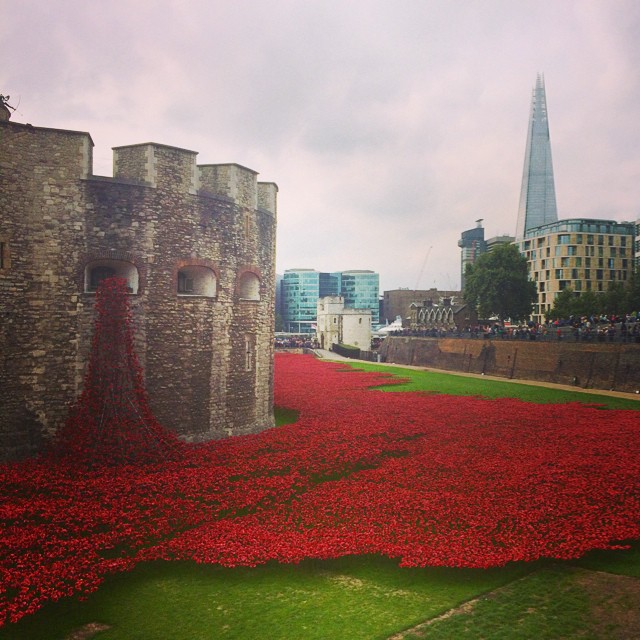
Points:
x=329 y=355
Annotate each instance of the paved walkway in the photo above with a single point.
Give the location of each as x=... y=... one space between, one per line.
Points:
x=329 y=355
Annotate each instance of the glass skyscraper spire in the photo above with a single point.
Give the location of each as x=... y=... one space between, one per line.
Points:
x=538 y=193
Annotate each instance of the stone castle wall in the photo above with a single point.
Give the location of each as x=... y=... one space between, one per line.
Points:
x=207 y=358
x=596 y=366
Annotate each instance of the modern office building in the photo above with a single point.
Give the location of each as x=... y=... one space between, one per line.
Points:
x=360 y=290
x=473 y=245
x=301 y=289
x=300 y=293
x=538 y=195
x=492 y=243
x=583 y=254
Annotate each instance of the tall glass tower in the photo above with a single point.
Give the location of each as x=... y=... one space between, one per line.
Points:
x=360 y=290
x=538 y=193
x=300 y=293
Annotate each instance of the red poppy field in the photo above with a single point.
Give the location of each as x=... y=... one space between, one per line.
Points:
x=429 y=480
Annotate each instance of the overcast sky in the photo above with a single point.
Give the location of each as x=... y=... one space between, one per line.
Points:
x=389 y=127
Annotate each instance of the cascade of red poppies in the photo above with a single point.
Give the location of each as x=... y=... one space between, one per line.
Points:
x=428 y=479
x=112 y=423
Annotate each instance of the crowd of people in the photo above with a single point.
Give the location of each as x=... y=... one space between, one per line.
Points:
x=600 y=328
x=593 y=328
x=297 y=342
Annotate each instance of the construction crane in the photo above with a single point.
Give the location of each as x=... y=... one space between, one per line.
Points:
x=424 y=264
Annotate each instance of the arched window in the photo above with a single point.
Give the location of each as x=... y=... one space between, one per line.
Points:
x=249 y=286
x=98 y=270
x=194 y=280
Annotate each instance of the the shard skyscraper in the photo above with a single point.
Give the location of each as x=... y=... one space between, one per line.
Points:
x=538 y=193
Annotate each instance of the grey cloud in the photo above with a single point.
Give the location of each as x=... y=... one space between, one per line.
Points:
x=397 y=123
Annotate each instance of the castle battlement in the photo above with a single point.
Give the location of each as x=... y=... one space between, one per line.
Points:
x=196 y=244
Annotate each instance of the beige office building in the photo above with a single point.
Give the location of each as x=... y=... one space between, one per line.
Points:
x=578 y=253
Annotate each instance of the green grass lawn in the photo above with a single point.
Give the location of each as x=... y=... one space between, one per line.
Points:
x=353 y=597
x=437 y=382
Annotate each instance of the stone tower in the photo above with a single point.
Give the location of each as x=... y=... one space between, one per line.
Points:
x=196 y=244
x=538 y=194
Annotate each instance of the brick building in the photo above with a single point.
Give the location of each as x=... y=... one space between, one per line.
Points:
x=196 y=244
x=397 y=302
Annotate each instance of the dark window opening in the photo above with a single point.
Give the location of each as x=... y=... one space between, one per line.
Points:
x=185 y=284
x=98 y=274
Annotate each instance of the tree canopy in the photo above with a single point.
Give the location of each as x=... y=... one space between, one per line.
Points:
x=498 y=284
x=619 y=299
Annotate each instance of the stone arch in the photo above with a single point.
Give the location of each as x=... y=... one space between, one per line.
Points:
x=249 y=284
x=196 y=278
x=99 y=268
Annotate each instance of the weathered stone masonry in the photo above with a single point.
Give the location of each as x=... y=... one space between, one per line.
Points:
x=197 y=246
x=587 y=365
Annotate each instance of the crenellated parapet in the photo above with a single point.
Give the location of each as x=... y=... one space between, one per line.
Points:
x=196 y=245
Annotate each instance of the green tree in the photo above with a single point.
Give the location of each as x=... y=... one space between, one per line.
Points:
x=565 y=305
x=588 y=303
x=498 y=284
x=632 y=291
x=615 y=299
